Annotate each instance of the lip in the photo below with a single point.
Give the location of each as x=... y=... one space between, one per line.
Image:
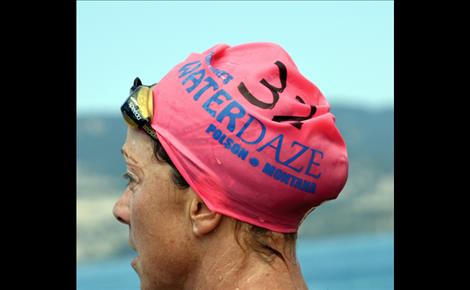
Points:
x=134 y=262
x=135 y=259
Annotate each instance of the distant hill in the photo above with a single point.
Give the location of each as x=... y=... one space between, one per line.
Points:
x=99 y=141
x=368 y=136
x=364 y=206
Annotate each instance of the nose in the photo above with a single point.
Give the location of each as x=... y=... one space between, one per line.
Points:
x=121 y=209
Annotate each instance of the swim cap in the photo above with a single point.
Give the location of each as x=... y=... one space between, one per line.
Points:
x=251 y=135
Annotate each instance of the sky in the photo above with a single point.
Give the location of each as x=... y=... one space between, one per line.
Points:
x=344 y=47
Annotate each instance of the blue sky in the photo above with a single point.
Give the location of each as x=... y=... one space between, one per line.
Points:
x=344 y=47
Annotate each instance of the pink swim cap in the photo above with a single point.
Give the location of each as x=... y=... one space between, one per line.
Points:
x=250 y=134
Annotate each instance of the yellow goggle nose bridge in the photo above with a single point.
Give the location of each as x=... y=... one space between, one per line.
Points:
x=137 y=110
x=144 y=102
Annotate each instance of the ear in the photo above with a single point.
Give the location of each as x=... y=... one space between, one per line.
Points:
x=203 y=219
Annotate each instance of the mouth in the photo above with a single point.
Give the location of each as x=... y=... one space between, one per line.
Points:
x=134 y=262
x=131 y=245
x=130 y=241
x=135 y=259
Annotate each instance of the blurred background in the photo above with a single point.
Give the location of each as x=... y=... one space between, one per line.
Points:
x=344 y=47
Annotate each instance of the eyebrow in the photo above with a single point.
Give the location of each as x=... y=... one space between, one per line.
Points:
x=127 y=156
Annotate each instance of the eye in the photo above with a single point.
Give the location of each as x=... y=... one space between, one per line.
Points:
x=129 y=178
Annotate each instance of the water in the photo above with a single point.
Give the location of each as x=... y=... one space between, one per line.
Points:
x=346 y=263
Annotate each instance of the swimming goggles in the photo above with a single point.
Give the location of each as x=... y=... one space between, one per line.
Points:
x=137 y=110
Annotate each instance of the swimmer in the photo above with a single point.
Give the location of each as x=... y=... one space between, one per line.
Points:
x=199 y=215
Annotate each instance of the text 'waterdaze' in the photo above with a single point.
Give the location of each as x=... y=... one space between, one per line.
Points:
x=219 y=104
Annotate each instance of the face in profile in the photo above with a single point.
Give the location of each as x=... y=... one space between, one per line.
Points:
x=153 y=208
x=179 y=241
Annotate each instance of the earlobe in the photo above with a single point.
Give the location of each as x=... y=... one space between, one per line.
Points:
x=202 y=218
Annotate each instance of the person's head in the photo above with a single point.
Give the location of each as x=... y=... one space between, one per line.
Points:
x=170 y=226
x=233 y=147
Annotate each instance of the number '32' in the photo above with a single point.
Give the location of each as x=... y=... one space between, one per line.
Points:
x=275 y=92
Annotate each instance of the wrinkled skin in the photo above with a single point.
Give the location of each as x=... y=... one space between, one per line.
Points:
x=181 y=244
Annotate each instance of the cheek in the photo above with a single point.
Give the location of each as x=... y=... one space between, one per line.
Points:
x=157 y=222
x=160 y=236
x=145 y=219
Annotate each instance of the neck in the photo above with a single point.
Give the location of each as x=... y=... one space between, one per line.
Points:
x=230 y=267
